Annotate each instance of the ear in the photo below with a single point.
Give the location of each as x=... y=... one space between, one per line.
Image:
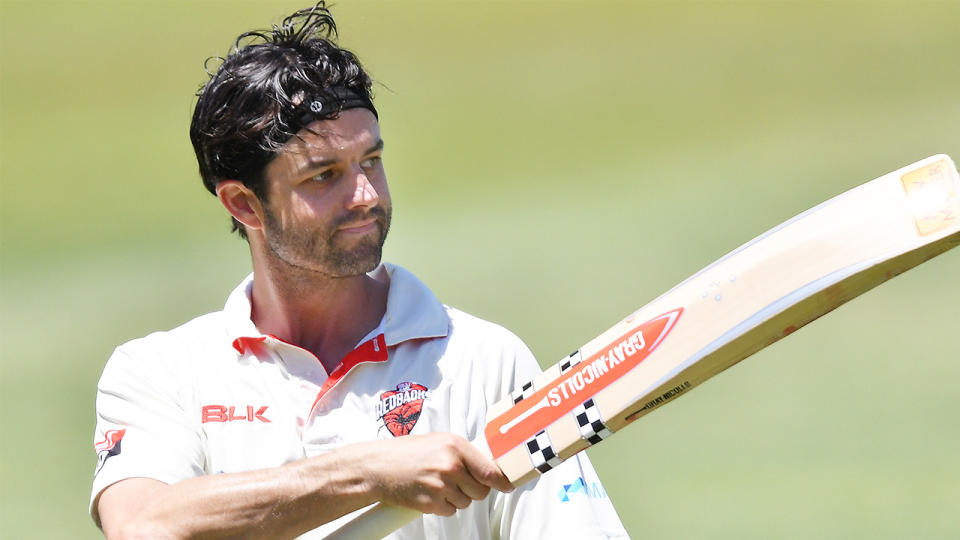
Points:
x=242 y=203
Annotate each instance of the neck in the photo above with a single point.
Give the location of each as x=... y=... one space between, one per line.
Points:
x=322 y=314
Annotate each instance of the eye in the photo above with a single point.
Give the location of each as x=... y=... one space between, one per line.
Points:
x=323 y=176
x=370 y=162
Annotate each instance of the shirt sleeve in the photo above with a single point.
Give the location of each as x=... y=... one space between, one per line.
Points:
x=568 y=501
x=142 y=428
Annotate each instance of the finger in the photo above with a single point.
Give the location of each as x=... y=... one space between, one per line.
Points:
x=472 y=488
x=499 y=481
x=431 y=502
x=458 y=498
x=485 y=471
x=444 y=508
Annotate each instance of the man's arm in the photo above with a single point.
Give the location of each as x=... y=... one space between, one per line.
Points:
x=436 y=474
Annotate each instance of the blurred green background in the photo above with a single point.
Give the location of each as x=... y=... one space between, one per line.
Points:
x=554 y=165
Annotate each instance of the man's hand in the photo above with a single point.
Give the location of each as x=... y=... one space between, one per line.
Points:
x=436 y=473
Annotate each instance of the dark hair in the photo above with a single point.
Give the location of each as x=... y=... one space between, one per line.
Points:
x=254 y=102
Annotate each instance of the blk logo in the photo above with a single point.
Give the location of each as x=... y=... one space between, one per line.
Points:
x=222 y=413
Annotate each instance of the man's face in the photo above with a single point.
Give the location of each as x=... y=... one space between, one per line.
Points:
x=328 y=208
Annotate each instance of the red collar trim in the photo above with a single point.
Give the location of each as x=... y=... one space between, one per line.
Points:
x=374 y=350
x=241 y=344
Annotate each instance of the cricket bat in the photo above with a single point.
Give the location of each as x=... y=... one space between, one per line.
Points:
x=754 y=296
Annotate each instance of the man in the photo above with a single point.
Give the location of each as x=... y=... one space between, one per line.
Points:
x=329 y=381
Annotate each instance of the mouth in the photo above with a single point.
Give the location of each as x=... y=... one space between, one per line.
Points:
x=359 y=227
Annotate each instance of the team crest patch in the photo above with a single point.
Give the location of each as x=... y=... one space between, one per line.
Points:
x=400 y=409
x=108 y=447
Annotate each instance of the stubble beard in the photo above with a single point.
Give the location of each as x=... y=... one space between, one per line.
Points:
x=317 y=250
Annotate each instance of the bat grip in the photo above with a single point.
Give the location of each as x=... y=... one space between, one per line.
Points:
x=376 y=521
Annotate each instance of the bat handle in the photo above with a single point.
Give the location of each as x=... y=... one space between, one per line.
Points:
x=377 y=521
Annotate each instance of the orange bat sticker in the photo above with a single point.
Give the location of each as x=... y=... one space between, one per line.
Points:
x=582 y=381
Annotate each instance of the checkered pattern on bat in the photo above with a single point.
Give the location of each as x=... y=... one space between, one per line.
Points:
x=570 y=361
x=523 y=393
x=527 y=389
x=592 y=428
x=542 y=455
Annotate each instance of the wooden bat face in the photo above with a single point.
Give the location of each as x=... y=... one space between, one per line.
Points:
x=747 y=300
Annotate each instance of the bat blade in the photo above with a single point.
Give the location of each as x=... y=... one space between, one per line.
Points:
x=750 y=298
x=743 y=302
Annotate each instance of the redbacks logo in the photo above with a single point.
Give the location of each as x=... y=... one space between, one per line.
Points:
x=400 y=409
x=108 y=447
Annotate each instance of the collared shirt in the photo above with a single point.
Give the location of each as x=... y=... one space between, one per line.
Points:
x=215 y=395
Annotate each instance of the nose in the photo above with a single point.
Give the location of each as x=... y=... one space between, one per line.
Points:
x=364 y=194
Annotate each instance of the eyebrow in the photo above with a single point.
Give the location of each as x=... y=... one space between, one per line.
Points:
x=313 y=164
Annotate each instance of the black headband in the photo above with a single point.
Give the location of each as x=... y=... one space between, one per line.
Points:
x=327 y=105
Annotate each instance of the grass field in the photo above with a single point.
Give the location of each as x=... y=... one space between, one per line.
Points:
x=553 y=165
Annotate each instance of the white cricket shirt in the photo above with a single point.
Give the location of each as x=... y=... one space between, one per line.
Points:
x=216 y=396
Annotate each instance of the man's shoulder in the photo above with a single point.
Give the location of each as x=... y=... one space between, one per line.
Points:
x=472 y=325
x=485 y=337
x=199 y=332
x=163 y=361
x=417 y=313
